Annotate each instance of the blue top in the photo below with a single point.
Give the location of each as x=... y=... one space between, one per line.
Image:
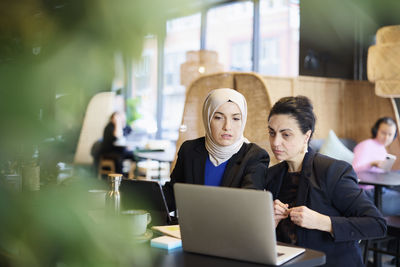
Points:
x=213 y=174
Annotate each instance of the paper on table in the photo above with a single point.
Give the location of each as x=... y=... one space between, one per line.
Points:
x=166 y=242
x=171 y=230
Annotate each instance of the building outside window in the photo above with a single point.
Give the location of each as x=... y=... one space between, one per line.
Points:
x=269 y=56
x=144 y=88
x=230 y=33
x=279 y=37
x=183 y=34
x=241 y=56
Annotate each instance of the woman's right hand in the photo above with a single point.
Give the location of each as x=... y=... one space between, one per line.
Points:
x=281 y=211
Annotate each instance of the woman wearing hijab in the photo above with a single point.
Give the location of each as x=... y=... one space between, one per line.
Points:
x=317 y=201
x=223 y=157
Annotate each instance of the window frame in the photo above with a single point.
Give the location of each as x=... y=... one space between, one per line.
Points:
x=255 y=47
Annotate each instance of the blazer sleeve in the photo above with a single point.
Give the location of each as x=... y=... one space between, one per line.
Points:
x=360 y=219
x=176 y=177
x=255 y=173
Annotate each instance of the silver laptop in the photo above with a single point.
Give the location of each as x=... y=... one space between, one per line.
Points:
x=230 y=222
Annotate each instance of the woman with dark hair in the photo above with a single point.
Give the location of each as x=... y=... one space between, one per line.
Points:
x=113 y=145
x=317 y=202
x=370 y=154
x=223 y=157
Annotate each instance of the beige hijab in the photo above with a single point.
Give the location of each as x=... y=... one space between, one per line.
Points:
x=219 y=154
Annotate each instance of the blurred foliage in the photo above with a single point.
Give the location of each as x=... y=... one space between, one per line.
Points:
x=132 y=113
x=58 y=226
x=54 y=56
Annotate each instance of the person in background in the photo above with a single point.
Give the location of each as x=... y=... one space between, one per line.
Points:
x=223 y=157
x=369 y=155
x=113 y=145
x=317 y=202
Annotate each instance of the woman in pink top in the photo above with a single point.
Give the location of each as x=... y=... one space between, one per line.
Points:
x=370 y=154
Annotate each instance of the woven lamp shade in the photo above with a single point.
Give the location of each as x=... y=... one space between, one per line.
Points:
x=199 y=63
x=383 y=65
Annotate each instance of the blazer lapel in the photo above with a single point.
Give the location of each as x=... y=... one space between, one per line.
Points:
x=303 y=191
x=306 y=179
x=232 y=168
x=199 y=163
x=276 y=178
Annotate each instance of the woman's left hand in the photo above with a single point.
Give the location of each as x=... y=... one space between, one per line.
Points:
x=308 y=218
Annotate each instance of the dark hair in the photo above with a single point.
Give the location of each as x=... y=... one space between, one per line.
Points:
x=113 y=114
x=387 y=120
x=298 y=107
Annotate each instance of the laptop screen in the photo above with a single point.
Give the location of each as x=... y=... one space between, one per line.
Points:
x=146 y=195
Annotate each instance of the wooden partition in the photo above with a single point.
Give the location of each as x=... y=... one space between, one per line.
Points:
x=251 y=85
x=349 y=108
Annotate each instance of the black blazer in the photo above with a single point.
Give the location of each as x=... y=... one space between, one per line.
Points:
x=245 y=169
x=329 y=187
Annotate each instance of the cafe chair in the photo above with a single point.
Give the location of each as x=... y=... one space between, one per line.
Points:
x=251 y=85
x=393 y=224
x=133 y=171
x=393 y=234
x=97 y=114
x=106 y=166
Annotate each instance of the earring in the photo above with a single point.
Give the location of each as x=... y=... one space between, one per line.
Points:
x=305 y=149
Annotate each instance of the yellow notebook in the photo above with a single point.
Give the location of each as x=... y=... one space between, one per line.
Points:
x=171 y=230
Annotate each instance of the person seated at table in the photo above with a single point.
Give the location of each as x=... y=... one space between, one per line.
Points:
x=369 y=155
x=223 y=157
x=113 y=145
x=317 y=202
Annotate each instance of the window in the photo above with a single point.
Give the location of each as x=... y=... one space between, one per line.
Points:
x=230 y=33
x=241 y=56
x=279 y=37
x=144 y=87
x=173 y=62
x=269 y=56
x=142 y=71
x=183 y=34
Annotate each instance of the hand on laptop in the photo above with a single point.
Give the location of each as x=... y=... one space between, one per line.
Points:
x=281 y=211
x=308 y=218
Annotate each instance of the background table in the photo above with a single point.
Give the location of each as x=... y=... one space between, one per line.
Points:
x=165 y=156
x=379 y=180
